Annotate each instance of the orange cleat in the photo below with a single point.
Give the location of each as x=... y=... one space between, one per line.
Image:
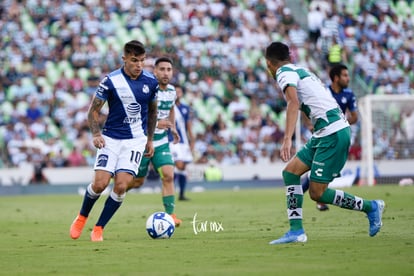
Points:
x=97 y=234
x=77 y=226
x=177 y=221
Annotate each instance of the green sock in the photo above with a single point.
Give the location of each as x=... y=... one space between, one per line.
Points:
x=169 y=204
x=345 y=200
x=294 y=199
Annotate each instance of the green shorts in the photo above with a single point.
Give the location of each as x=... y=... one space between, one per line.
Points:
x=162 y=156
x=326 y=156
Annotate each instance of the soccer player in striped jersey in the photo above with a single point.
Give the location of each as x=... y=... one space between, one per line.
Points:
x=125 y=137
x=324 y=154
x=346 y=100
x=162 y=159
x=182 y=151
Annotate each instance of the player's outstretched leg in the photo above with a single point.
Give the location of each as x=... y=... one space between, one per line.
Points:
x=373 y=208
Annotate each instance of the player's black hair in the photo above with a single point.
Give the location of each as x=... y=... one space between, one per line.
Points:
x=336 y=71
x=277 y=51
x=134 y=47
x=163 y=59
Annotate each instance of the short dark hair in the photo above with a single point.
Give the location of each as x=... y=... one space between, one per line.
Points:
x=134 y=47
x=277 y=51
x=336 y=71
x=163 y=59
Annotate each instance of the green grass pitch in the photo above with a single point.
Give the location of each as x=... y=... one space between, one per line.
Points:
x=230 y=236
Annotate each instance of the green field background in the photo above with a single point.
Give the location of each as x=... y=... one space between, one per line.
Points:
x=239 y=224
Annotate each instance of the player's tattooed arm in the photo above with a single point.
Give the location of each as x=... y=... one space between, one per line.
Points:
x=152 y=119
x=93 y=115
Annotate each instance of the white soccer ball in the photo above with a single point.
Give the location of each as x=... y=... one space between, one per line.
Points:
x=160 y=225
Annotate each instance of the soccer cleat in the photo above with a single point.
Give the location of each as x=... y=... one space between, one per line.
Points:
x=322 y=206
x=177 y=221
x=77 y=226
x=291 y=236
x=97 y=234
x=375 y=217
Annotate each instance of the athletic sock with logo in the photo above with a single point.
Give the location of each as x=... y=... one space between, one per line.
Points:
x=345 y=200
x=294 y=199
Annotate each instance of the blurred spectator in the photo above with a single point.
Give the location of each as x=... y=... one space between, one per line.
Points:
x=40 y=162
x=238 y=109
x=213 y=172
x=75 y=158
x=33 y=112
x=355 y=150
x=315 y=19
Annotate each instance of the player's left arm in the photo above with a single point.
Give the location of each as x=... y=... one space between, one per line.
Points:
x=151 y=124
x=171 y=118
x=352 y=114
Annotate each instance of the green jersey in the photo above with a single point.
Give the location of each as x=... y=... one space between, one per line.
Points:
x=166 y=100
x=315 y=99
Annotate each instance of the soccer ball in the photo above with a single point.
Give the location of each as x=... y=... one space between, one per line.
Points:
x=160 y=225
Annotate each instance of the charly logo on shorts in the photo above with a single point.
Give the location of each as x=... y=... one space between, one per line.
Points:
x=102 y=160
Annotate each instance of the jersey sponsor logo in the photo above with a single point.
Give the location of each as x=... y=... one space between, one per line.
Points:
x=102 y=160
x=133 y=112
x=145 y=89
x=133 y=109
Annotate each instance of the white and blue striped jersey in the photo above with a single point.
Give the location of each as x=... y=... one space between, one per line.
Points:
x=182 y=116
x=128 y=102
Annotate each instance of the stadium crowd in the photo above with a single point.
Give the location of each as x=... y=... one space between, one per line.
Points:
x=54 y=53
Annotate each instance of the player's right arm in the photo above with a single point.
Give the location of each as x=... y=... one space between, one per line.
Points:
x=190 y=134
x=151 y=124
x=93 y=121
x=292 y=111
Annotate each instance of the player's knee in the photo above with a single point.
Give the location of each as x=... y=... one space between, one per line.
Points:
x=316 y=191
x=135 y=183
x=99 y=186
x=167 y=178
x=314 y=195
